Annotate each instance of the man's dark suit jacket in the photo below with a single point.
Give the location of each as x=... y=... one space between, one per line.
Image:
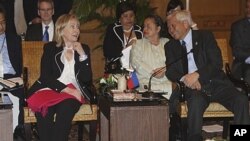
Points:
x=34 y=32
x=60 y=6
x=240 y=43
x=52 y=67
x=9 y=15
x=14 y=45
x=207 y=57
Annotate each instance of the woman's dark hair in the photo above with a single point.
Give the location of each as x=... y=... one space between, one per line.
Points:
x=158 y=22
x=124 y=6
x=172 y=4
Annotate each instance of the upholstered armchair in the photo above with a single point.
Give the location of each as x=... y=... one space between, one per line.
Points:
x=32 y=52
x=215 y=111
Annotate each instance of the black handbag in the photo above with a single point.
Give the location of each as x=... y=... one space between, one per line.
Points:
x=113 y=66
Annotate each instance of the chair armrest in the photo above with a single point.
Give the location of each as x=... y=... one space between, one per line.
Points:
x=237 y=82
x=181 y=86
x=93 y=91
x=25 y=79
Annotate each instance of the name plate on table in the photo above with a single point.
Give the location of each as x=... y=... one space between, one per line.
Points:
x=119 y=95
x=5 y=102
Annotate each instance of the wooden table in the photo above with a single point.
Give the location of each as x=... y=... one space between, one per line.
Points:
x=141 y=120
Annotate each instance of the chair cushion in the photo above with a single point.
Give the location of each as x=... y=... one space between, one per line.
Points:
x=213 y=110
x=86 y=112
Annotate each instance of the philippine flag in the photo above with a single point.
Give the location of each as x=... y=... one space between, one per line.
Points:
x=133 y=81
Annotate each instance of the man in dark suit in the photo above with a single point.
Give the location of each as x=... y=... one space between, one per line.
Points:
x=240 y=43
x=9 y=8
x=11 y=66
x=201 y=72
x=38 y=31
x=30 y=9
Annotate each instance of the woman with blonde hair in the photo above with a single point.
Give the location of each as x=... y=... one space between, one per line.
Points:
x=62 y=86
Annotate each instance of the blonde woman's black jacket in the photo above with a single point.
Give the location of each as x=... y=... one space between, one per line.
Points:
x=14 y=47
x=51 y=69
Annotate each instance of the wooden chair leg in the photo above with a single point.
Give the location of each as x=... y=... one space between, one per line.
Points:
x=80 y=130
x=28 y=131
x=183 y=129
x=92 y=130
x=175 y=127
x=225 y=128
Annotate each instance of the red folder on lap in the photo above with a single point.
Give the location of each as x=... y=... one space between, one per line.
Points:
x=41 y=100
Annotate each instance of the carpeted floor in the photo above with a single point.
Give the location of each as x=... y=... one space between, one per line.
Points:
x=74 y=135
x=217 y=136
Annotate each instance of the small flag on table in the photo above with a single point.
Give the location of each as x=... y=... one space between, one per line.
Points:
x=133 y=81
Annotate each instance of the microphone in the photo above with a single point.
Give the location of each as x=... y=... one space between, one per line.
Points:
x=150 y=93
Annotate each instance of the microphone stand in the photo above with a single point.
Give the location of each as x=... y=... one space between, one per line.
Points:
x=150 y=94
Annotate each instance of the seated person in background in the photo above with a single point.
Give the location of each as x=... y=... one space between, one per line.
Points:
x=30 y=10
x=120 y=35
x=147 y=56
x=43 y=31
x=9 y=14
x=201 y=72
x=240 y=43
x=62 y=86
x=10 y=67
x=175 y=5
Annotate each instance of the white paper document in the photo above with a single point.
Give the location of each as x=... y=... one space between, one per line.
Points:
x=11 y=83
x=125 y=57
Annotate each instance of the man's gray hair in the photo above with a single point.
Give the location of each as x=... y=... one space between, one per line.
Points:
x=182 y=15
